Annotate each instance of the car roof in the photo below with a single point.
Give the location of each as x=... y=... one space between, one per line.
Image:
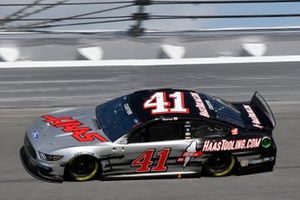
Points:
x=137 y=100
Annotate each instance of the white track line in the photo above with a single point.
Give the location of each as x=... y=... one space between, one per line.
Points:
x=150 y=62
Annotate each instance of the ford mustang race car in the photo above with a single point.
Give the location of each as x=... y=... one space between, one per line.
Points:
x=161 y=132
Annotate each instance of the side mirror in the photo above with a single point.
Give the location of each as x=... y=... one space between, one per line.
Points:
x=123 y=141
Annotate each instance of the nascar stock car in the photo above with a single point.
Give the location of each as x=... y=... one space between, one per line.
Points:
x=161 y=132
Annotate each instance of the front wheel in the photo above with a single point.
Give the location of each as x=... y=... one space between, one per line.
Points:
x=220 y=164
x=83 y=168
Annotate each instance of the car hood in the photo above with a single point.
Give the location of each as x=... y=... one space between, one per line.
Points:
x=58 y=130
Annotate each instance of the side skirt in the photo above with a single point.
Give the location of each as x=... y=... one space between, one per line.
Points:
x=153 y=175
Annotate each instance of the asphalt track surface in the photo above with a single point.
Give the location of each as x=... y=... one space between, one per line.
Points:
x=28 y=93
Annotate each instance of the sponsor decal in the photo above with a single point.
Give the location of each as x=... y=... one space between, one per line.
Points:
x=209 y=105
x=200 y=105
x=85 y=153
x=245 y=163
x=234 y=131
x=69 y=125
x=128 y=109
x=35 y=134
x=262 y=160
x=230 y=145
x=165 y=119
x=190 y=152
x=253 y=117
x=187 y=131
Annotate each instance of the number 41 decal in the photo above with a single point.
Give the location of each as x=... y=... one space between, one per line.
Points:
x=159 y=104
x=144 y=163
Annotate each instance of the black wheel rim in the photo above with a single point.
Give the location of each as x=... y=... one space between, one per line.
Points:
x=83 y=166
x=219 y=162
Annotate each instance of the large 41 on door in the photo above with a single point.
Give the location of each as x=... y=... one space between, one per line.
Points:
x=159 y=105
x=144 y=162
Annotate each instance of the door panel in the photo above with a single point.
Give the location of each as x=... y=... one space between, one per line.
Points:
x=158 y=147
x=153 y=157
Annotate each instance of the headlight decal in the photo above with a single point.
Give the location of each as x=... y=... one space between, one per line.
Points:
x=49 y=157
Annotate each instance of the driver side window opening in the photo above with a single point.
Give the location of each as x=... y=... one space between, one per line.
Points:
x=158 y=131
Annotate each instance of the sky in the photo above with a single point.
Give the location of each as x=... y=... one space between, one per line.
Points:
x=186 y=24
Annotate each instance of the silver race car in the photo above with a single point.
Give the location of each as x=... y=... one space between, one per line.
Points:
x=161 y=132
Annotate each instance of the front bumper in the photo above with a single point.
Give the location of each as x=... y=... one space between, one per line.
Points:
x=37 y=170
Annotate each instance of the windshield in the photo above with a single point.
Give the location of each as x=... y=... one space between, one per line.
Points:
x=116 y=117
x=224 y=111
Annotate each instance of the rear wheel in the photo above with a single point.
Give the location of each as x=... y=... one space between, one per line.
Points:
x=83 y=168
x=220 y=164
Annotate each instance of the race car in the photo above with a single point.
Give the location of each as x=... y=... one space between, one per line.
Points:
x=152 y=133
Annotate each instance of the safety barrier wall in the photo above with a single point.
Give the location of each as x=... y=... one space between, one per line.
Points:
x=47 y=49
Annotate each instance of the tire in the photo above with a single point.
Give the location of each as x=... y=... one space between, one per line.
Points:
x=83 y=168
x=220 y=164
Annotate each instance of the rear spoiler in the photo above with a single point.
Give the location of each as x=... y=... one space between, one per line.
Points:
x=264 y=112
